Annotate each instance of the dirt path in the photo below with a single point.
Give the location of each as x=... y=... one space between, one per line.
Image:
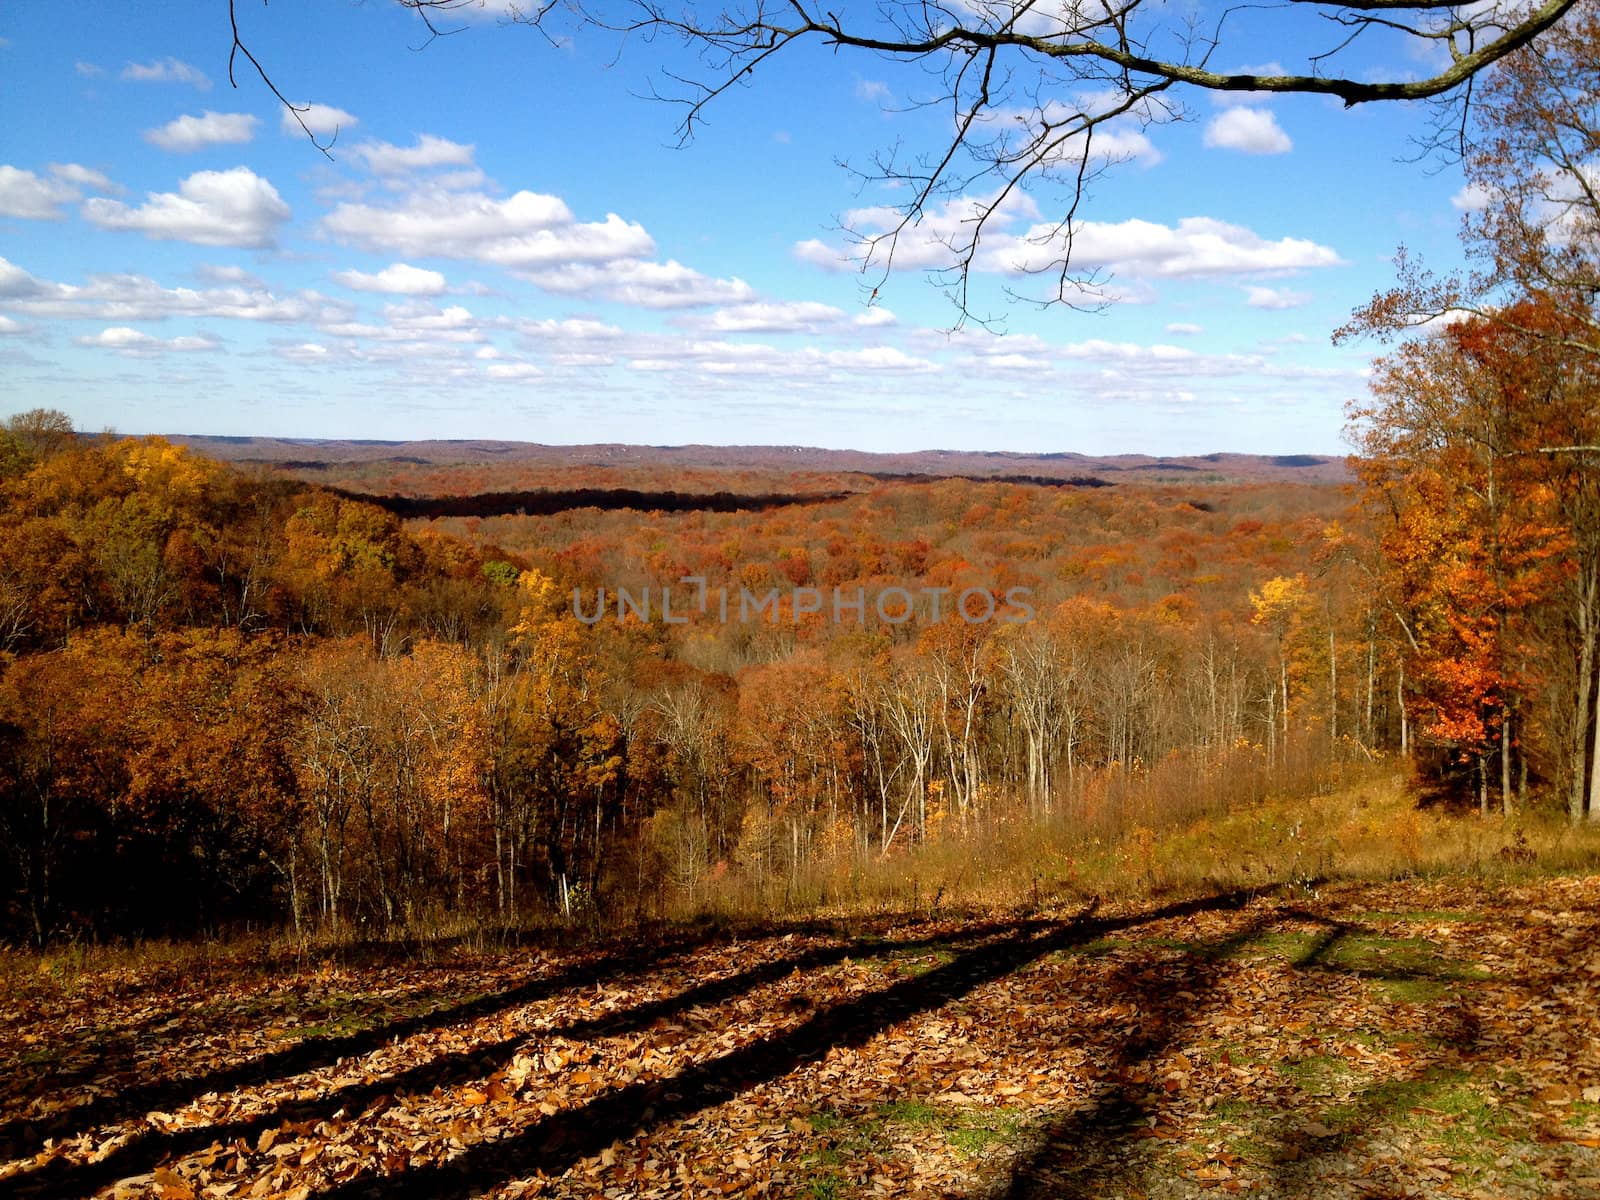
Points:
x=1375 y=1040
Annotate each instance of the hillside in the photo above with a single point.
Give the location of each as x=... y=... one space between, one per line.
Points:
x=319 y=454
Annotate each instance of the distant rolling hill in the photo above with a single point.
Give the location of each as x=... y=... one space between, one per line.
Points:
x=303 y=454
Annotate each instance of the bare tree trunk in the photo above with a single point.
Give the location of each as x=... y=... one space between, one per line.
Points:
x=1405 y=724
x=1505 y=758
x=1333 y=685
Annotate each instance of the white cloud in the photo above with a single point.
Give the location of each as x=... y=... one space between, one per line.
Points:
x=1275 y=298
x=228 y=273
x=1185 y=328
x=186 y=134
x=414 y=321
x=385 y=158
x=881 y=358
x=400 y=279
x=324 y=120
x=1195 y=247
x=9 y=328
x=1474 y=197
x=86 y=178
x=819 y=254
x=512 y=370
x=872 y=89
x=1125 y=360
x=88 y=70
x=1050 y=126
x=875 y=318
x=140 y=298
x=166 y=70
x=522 y=232
x=538 y=238
x=304 y=352
x=650 y=285
x=733 y=360
x=1248 y=130
x=573 y=329
x=211 y=208
x=133 y=343
x=32 y=197
x=24 y=194
x=769 y=317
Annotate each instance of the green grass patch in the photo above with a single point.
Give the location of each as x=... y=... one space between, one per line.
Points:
x=1095 y=948
x=1430 y=916
x=1319 y=1074
x=1447 y=1106
x=1582 y=1113
x=842 y=1139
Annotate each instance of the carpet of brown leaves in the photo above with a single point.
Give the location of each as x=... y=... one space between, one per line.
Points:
x=1374 y=1040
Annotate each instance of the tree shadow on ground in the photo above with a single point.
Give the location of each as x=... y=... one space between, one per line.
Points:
x=1076 y=1154
x=622 y=959
x=553 y=1145
x=149 y=1149
x=1093 y=1150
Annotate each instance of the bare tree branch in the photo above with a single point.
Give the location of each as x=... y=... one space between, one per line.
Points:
x=1064 y=58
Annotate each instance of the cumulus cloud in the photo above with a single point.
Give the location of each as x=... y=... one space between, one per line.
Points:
x=572 y=329
x=773 y=317
x=32 y=197
x=724 y=359
x=416 y=321
x=85 y=178
x=324 y=120
x=187 y=134
x=210 y=208
x=1248 y=130
x=525 y=231
x=1196 y=247
x=167 y=70
x=1474 y=197
x=133 y=343
x=1049 y=126
x=24 y=194
x=1185 y=328
x=304 y=352
x=1133 y=360
x=385 y=158
x=140 y=298
x=538 y=238
x=512 y=370
x=652 y=285
x=228 y=273
x=400 y=279
x=1275 y=298
x=88 y=70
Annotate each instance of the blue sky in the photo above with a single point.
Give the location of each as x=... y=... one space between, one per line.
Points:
x=508 y=242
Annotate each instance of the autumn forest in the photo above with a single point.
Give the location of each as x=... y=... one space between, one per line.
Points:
x=233 y=699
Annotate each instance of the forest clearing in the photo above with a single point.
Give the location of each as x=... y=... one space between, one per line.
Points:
x=1428 y=1036
x=1420 y=1036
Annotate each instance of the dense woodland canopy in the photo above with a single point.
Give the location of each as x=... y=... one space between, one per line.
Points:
x=229 y=697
